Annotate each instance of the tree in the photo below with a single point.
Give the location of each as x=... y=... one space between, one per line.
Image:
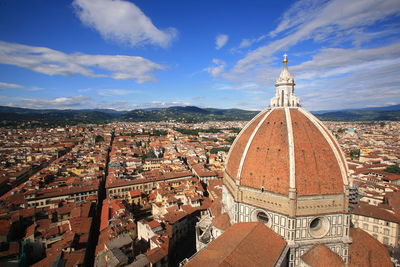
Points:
x=215 y=150
x=393 y=169
x=99 y=138
x=354 y=153
x=230 y=139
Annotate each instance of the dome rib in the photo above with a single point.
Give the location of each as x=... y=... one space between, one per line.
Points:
x=266 y=164
x=237 y=148
x=318 y=158
x=333 y=144
x=249 y=142
x=292 y=161
x=287 y=151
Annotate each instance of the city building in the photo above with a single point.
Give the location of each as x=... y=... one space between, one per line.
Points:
x=381 y=223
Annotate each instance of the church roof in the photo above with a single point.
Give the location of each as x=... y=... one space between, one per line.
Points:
x=284 y=148
x=222 y=221
x=366 y=251
x=322 y=256
x=243 y=244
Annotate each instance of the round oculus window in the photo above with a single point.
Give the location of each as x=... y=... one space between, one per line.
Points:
x=319 y=227
x=262 y=217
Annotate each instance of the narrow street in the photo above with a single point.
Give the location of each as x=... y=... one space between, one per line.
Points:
x=95 y=231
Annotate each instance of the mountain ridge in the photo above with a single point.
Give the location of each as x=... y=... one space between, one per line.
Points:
x=10 y=116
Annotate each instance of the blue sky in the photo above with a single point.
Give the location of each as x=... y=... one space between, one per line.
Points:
x=225 y=54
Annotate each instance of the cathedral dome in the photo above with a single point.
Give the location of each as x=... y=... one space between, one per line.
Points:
x=285 y=160
x=287 y=148
x=286 y=171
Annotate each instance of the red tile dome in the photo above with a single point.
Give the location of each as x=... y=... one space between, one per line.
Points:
x=287 y=148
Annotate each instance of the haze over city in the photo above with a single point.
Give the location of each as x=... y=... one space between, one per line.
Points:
x=224 y=54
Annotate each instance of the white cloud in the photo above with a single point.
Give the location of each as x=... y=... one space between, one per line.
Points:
x=56 y=103
x=10 y=85
x=245 y=43
x=218 y=69
x=85 y=90
x=298 y=14
x=336 y=61
x=248 y=42
x=115 y=92
x=221 y=40
x=18 y=86
x=347 y=78
x=335 y=77
x=160 y=104
x=309 y=19
x=246 y=86
x=121 y=21
x=53 y=62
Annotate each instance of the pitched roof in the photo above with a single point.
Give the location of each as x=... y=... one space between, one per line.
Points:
x=322 y=256
x=366 y=251
x=222 y=221
x=372 y=211
x=156 y=254
x=241 y=244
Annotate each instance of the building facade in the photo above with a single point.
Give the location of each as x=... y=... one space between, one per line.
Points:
x=381 y=223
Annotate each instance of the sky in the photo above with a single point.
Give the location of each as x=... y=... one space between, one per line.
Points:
x=124 y=54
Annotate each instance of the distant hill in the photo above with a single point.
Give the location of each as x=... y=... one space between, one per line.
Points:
x=386 y=108
x=13 y=116
x=361 y=115
x=390 y=113
x=188 y=114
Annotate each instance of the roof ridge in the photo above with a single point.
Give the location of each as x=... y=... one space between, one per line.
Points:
x=256 y=224
x=223 y=260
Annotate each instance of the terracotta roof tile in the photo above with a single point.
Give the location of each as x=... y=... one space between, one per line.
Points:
x=372 y=211
x=322 y=256
x=267 y=160
x=317 y=169
x=366 y=251
x=222 y=221
x=243 y=244
x=236 y=151
x=156 y=254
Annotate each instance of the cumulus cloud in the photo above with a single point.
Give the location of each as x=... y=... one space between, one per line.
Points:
x=122 y=21
x=53 y=62
x=221 y=40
